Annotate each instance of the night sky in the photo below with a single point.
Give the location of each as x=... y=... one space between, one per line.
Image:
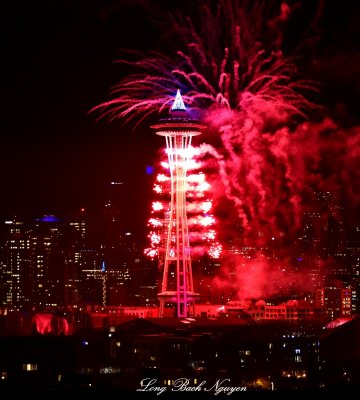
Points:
x=57 y=62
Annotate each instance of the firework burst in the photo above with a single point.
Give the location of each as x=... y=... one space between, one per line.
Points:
x=264 y=155
x=230 y=66
x=223 y=63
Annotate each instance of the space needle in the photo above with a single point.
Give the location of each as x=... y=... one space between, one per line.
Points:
x=177 y=282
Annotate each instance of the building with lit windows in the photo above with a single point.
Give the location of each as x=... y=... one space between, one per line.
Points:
x=93 y=286
x=47 y=262
x=290 y=311
x=33 y=264
x=15 y=266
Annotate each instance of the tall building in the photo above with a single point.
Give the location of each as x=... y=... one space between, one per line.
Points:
x=47 y=262
x=83 y=254
x=177 y=284
x=32 y=264
x=15 y=266
x=93 y=286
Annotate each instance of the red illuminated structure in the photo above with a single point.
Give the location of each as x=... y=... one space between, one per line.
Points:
x=177 y=284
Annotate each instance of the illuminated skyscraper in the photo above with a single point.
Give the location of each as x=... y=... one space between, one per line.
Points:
x=32 y=261
x=15 y=266
x=177 y=283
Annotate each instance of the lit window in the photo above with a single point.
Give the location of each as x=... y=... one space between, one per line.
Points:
x=29 y=367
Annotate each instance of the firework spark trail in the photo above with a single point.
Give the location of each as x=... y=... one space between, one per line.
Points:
x=235 y=75
x=276 y=170
x=224 y=177
x=241 y=85
x=229 y=66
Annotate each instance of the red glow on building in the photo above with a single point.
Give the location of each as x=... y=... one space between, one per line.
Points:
x=50 y=324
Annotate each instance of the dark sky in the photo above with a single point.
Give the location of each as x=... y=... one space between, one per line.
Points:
x=57 y=62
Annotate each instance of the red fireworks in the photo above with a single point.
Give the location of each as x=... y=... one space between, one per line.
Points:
x=242 y=89
x=264 y=159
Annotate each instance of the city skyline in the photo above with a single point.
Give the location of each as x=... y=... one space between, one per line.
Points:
x=281 y=167
x=56 y=155
x=71 y=261
x=107 y=286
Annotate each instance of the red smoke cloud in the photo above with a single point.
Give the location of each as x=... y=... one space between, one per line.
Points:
x=259 y=277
